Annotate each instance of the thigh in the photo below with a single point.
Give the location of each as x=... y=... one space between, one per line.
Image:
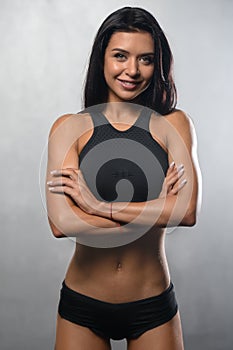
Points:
x=165 y=337
x=70 y=336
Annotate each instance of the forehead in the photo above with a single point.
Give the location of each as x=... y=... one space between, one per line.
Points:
x=130 y=41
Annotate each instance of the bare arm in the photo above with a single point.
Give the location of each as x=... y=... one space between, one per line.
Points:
x=65 y=217
x=172 y=210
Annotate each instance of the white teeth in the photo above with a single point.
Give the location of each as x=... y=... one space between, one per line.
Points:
x=128 y=83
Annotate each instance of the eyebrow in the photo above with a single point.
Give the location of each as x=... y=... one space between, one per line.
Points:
x=125 y=51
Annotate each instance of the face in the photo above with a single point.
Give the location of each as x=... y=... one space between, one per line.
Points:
x=128 y=65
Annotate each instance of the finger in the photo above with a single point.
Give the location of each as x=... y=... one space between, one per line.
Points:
x=170 y=168
x=173 y=170
x=75 y=179
x=62 y=189
x=64 y=181
x=172 y=164
x=71 y=172
x=171 y=181
x=176 y=169
x=77 y=196
x=178 y=186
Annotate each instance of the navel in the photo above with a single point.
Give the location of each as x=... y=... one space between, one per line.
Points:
x=119 y=266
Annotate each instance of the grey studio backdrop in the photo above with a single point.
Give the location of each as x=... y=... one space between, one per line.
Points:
x=44 y=51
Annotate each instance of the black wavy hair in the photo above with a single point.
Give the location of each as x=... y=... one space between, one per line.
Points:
x=161 y=94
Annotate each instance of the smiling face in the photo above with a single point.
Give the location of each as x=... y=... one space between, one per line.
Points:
x=128 y=65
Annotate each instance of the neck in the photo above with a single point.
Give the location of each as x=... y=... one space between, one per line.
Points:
x=121 y=111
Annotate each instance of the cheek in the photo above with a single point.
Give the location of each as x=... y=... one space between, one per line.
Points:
x=112 y=68
x=149 y=74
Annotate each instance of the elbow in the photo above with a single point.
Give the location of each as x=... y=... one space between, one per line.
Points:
x=190 y=218
x=55 y=231
x=58 y=234
x=67 y=225
x=70 y=223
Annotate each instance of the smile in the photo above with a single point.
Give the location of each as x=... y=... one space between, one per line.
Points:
x=129 y=85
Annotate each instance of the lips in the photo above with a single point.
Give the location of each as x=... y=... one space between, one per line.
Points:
x=128 y=84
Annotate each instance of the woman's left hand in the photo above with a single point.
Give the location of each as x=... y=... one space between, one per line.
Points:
x=71 y=182
x=172 y=184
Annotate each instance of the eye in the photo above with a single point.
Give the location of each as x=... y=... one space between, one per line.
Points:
x=120 y=56
x=147 y=59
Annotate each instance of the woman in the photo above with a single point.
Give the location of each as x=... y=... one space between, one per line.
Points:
x=118 y=284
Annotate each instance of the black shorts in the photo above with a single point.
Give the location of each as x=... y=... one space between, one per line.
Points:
x=117 y=320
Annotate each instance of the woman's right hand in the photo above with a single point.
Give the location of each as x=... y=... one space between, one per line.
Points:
x=172 y=183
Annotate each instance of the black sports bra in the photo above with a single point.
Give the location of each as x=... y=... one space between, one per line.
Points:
x=125 y=165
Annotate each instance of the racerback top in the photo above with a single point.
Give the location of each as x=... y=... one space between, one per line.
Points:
x=123 y=166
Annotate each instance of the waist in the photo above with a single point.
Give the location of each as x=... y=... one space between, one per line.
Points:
x=120 y=287
x=119 y=275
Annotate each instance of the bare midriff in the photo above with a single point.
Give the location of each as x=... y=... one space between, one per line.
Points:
x=130 y=272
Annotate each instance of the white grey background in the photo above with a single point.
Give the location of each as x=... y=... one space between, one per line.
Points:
x=44 y=50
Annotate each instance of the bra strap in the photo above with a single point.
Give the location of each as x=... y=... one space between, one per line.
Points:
x=98 y=118
x=144 y=119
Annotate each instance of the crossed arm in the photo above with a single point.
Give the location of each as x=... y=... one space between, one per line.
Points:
x=79 y=211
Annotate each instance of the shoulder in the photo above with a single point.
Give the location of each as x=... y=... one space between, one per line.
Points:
x=69 y=121
x=180 y=120
x=180 y=127
x=177 y=120
x=59 y=121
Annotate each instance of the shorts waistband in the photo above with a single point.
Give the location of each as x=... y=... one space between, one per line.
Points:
x=88 y=298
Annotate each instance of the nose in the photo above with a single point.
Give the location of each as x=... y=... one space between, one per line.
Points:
x=132 y=68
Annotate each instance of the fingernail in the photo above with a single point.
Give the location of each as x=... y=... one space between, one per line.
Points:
x=181 y=171
x=52 y=172
x=181 y=166
x=49 y=182
x=51 y=188
x=172 y=164
x=183 y=182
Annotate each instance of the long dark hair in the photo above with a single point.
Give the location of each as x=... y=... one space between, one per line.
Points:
x=161 y=94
